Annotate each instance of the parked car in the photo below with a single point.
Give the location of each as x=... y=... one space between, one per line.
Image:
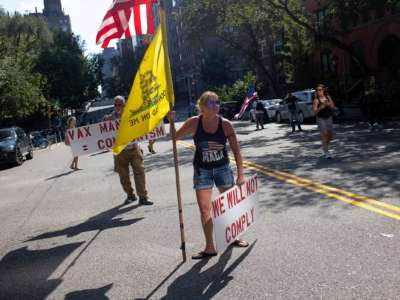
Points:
x=38 y=140
x=15 y=144
x=246 y=116
x=304 y=107
x=228 y=109
x=270 y=106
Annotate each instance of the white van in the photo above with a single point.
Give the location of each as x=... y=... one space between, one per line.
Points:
x=304 y=106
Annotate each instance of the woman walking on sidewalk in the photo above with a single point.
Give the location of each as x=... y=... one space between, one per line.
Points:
x=374 y=101
x=71 y=123
x=211 y=162
x=323 y=107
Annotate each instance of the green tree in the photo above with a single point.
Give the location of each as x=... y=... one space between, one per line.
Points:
x=22 y=38
x=238 y=90
x=71 y=78
x=242 y=26
x=296 y=55
x=336 y=23
x=254 y=32
x=20 y=91
x=213 y=69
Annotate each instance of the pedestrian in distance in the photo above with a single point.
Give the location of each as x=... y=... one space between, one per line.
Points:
x=259 y=112
x=210 y=133
x=71 y=123
x=151 y=147
x=374 y=104
x=130 y=156
x=323 y=107
x=291 y=101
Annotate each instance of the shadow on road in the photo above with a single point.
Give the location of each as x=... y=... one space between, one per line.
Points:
x=198 y=284
x=7 y=166
x=165 y=160
x=364 y=162
x=62 y=174
x=98 y=294
x=24 y=273
x=103 y=221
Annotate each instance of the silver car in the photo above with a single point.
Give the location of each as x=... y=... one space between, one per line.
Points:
x=304 y=107
x=270 y=105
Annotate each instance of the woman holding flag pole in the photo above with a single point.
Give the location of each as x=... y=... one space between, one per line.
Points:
x=211 y=162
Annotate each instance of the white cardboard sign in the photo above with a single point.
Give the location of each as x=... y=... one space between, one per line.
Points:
x=233 y=212
x=101 y=136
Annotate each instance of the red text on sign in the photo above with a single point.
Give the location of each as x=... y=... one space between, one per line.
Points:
x=239 y=225
x=235 y=196
x=218 y=206
x=251 y=186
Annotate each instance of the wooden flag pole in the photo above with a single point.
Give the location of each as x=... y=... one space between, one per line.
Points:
x=178 y=189
x=173 y=133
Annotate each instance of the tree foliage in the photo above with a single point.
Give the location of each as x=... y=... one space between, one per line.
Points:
x=21 y=87
x=238 y=90
x=70 y=81
x=337 y=21
x=255 y=32
x=39 y=67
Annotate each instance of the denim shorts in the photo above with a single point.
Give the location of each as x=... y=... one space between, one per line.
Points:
x=325 y=124
x=204 y=179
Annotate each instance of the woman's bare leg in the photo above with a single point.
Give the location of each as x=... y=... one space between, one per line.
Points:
x=324 y=139
x=204 y=202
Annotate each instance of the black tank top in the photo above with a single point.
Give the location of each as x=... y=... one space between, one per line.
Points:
x=210 y=147
x=324 y=113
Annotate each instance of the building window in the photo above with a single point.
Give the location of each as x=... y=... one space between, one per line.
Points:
x=359 y=49
x=263 y=46
x=326 y=61
x=278 y=45
x=321 y=20
x=379 y=13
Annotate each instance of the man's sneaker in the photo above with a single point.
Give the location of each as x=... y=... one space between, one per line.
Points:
x=130 y=199
x=145 y=201
x=327 y=155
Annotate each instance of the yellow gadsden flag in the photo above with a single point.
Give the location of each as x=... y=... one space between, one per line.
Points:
x=151 y=95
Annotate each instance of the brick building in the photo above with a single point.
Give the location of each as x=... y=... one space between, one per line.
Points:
x=374 y=35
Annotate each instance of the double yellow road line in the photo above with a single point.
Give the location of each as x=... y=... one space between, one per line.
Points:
x=376 y=206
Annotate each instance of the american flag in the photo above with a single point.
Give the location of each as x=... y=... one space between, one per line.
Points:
x=211 y=146
x=251 y=96
x=124 y=19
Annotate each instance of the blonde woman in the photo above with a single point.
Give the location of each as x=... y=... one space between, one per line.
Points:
x=71 y=123
x=323 y=107
x=211 y=163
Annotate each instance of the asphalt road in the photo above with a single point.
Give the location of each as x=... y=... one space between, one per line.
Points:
x=326 y=229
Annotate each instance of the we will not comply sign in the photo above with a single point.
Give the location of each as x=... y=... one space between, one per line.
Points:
x=234 y=212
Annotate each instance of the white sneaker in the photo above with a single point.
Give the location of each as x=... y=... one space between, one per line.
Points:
x=371 y=127
x=327 y=155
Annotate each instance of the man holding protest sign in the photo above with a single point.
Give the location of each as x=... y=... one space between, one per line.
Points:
x=211 y=162
x=131 y=155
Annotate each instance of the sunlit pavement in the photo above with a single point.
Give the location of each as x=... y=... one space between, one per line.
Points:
x=66 y=235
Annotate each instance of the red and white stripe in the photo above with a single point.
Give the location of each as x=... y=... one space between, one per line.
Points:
x=126 y=18
x=246 y=103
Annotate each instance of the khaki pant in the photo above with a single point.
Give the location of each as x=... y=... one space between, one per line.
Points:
x=134 y=158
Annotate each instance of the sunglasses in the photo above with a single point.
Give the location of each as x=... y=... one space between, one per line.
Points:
x=213 y=103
